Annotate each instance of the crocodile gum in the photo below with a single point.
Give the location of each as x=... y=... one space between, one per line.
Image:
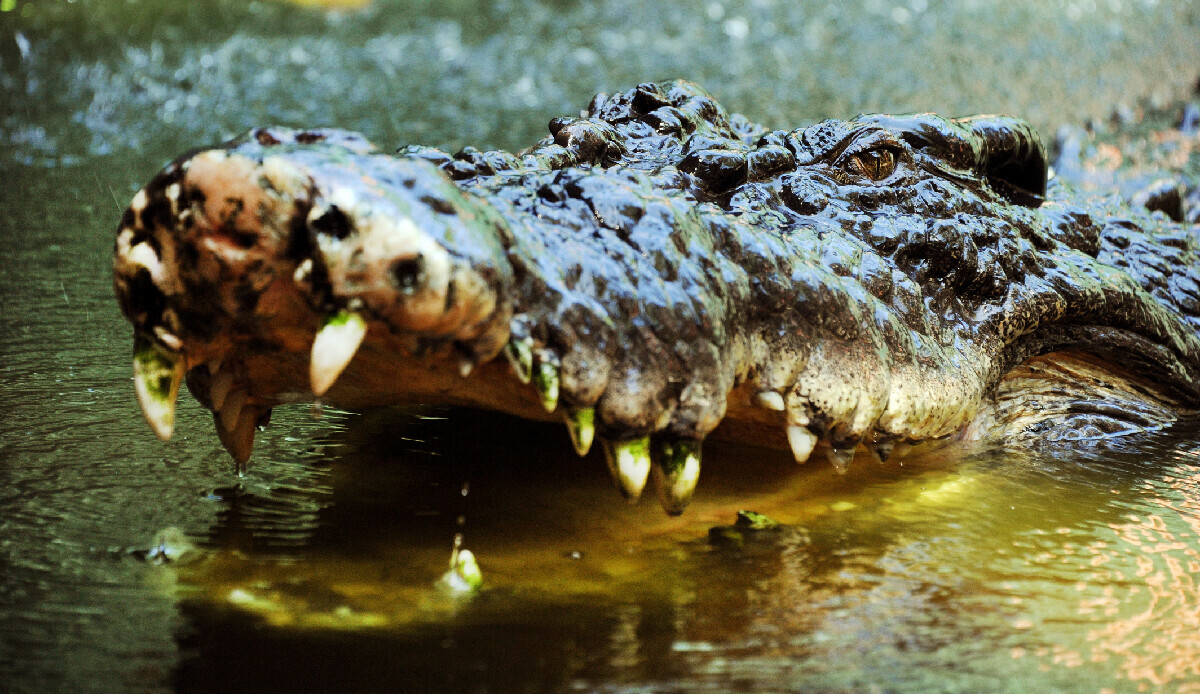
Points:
x=657 y=271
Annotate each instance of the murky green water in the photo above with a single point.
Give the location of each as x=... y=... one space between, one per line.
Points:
x=316 y=571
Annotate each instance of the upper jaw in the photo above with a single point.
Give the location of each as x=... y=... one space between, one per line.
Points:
x=232 y=275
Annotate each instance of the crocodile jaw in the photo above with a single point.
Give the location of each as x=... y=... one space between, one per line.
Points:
x=325 y=270
x=223 y=269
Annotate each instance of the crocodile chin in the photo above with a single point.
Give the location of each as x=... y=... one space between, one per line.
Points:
x=656 y=272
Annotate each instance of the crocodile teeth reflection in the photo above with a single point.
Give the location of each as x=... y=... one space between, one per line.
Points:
x=629 y=463
x=157 y=374
x=334 y=347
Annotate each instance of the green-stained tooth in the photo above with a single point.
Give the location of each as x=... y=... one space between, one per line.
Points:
x=520 y=356
x=545 y=379
x=157 y=374
x=581 y=425
x=335 y=345
x=629 y=463
x=676 y=474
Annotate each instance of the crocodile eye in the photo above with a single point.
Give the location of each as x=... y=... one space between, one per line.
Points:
x=876 y=164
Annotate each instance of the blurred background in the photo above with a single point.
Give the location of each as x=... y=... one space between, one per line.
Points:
x=316 y=570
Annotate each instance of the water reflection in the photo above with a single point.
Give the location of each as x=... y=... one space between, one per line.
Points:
x=937 y=575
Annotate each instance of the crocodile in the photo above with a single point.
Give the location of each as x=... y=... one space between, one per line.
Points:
x=658 y=270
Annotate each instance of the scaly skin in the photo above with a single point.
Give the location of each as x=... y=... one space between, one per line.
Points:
x=659 y=268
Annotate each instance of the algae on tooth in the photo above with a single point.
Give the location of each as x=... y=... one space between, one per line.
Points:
x=581 y=426
x=546 y=380
x=677 y=474
x=520 y=356
x=157 y=375
x=629 y=463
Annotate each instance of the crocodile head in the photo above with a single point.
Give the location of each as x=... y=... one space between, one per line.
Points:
x=657 y=271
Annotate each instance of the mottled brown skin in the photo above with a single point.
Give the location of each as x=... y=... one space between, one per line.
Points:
x=882 y=279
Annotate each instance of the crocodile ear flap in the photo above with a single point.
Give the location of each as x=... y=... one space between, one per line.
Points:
x=1011 y=155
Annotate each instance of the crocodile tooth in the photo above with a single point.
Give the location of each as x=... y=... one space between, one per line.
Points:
x=157 y=374
x=465 y=367
x=581 y=426
x=882 y=450
x=520 y=356
x=545 y=379
x=840 y=458
x=219 y=389
x=802 y=442
x=238 y=437
x=676 y=474
x=334 y=347
x=168 y=338
x=769 y=400
x=231 y=409
x=303 y=271
x=629 y=463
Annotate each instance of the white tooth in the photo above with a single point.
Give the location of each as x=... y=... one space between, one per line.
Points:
x=139 y=201
x=156 y=378
x=143 y=255
x=231 y=409
x=769 y=400
x=172 y=193
x=334 y=347
x=218 y=390
x=168 y=338
x=840 y=458
x=465 y=367
x=303 y=271
x=238 y=439
x=802 y=442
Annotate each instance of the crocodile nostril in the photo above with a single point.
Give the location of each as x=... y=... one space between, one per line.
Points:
x=409 y=272
x=333 y=222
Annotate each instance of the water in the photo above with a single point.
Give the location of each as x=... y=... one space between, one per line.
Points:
x=956 y=572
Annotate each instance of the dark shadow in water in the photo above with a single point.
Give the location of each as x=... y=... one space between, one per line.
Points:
x=901 y=589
